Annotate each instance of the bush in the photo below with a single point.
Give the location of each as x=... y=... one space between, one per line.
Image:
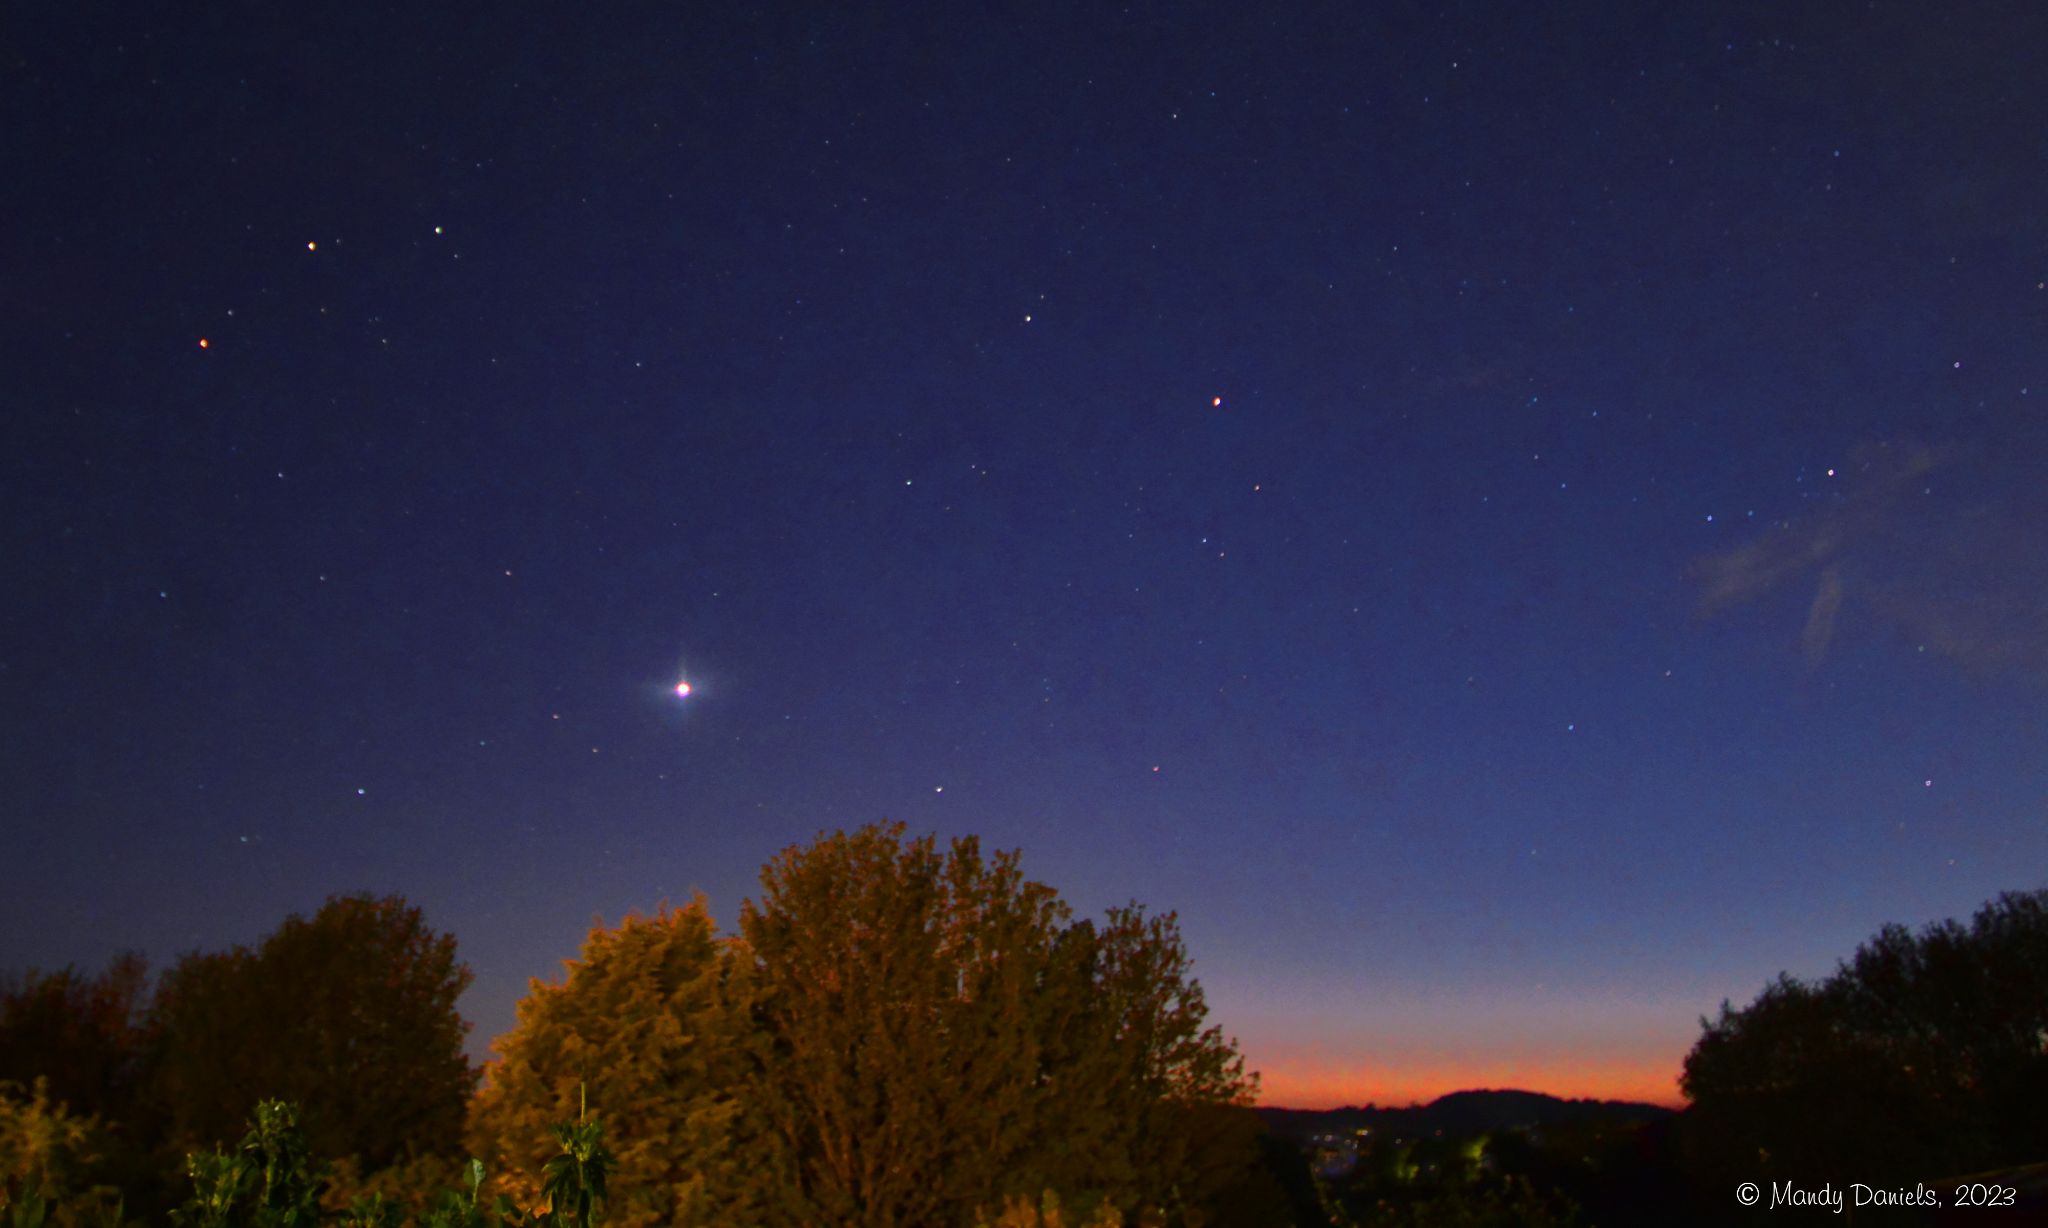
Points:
x=47 y=1157
x=270 y=1181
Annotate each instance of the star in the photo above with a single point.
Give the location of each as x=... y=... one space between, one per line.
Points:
x=682 y=690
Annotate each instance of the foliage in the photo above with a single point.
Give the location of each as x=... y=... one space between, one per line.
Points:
x=898 y=1036
x=1510 y=1203
x=575 y=1186
x=645 y=1019
x=1281 y=1190
x=372 y=1207
x=220 y=1182
x=933 y=1037
x=575 y=1182
x=42 y=1144
x=1163 y=1083
x=269 y=1181
x=411 y=1188
x=460 y=1210
x=1536 y=1176
x=1021 y=1212
x=886 y=973
x=47 y=1155
x=371 y=1211
x=86 y=1040
x=1922 y=1056
x=84 y=1036
x=351 y=1013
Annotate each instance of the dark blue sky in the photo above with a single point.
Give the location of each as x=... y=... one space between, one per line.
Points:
x=1519 y=524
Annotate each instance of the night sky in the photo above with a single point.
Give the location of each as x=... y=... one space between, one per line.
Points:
x=1519 y=522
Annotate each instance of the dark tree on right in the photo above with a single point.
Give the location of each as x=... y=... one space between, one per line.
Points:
x=1924 y=1056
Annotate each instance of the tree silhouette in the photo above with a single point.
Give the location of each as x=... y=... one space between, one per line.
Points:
x=84 y=1035
x=1924 y=1055
x=83 y=1042
x=350 y=1014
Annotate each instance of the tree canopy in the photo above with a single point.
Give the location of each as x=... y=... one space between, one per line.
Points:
x=350 y=1013
x=642 y=1024
x=82 y=1035
x=936 y=1038
x=1925 y=1055
x=899 y=1036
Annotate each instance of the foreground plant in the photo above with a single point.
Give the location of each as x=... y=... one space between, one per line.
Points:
x=271 y=1167
x=1018 y=1212
x=270 y=1182
x=653 y=997
x=456 y=1210
x=574 y=1182
x=46 y=1152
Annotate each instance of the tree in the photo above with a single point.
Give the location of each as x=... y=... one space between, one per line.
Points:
x=1165 y=1074
x=351 y=1014
x=645 y=1021
x=935 y=1040
x=1923 y=1056
x=83 y=1041
x=82 y=1035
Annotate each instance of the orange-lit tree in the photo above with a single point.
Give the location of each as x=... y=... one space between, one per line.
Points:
x=935 y=1039
x=645 y=1020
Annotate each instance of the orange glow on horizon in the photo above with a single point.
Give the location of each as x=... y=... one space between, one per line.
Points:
x=1335 y=1085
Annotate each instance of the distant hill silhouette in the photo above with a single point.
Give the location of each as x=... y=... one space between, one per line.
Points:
x=1468 y=1112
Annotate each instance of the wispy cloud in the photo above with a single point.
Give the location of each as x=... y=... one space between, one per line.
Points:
x=1820 y=619
x=1963 y=575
